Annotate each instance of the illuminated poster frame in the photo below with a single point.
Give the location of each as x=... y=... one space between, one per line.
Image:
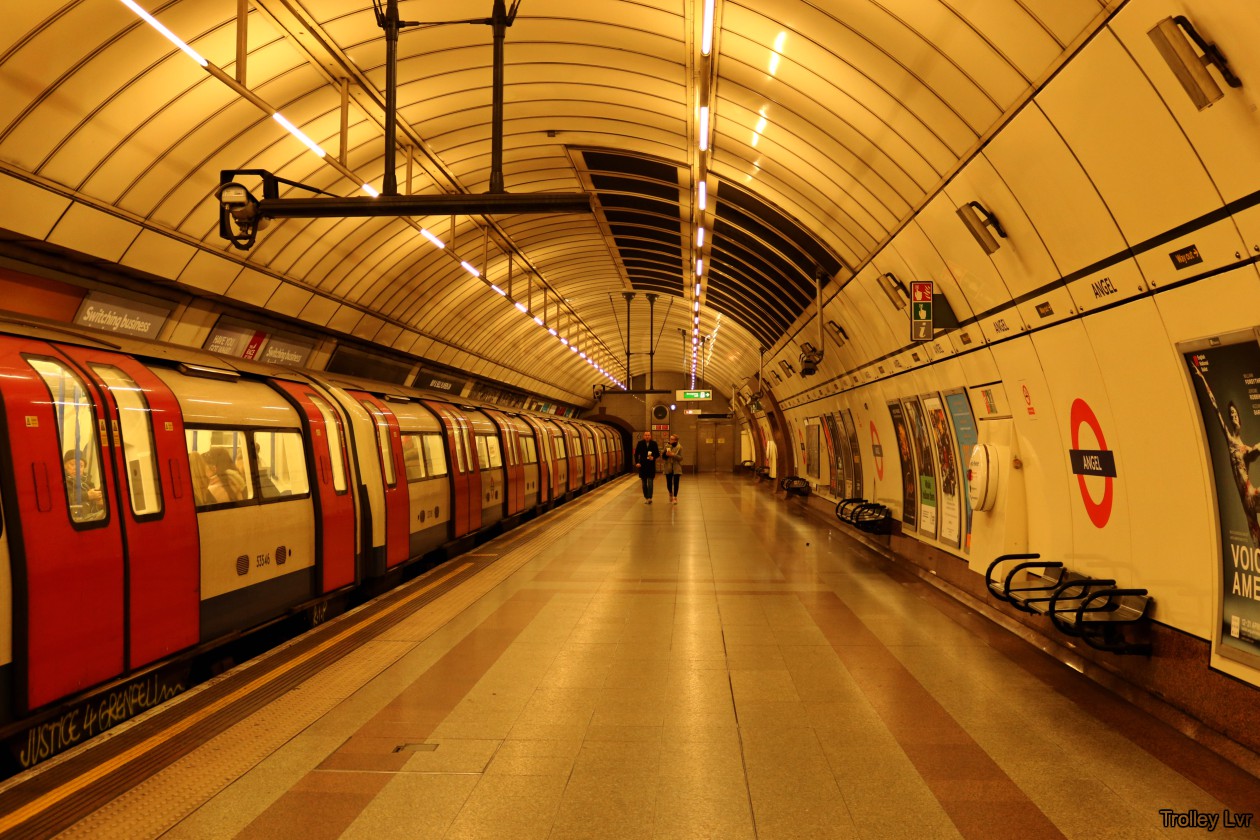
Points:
x=1224 y=372
x=905 y=454
x=949 y=489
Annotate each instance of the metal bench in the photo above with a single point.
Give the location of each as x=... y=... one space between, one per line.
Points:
x=871 y=517
x=1091 y=609
x=794 y=485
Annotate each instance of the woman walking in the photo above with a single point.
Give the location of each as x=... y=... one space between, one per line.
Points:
x=671 y=465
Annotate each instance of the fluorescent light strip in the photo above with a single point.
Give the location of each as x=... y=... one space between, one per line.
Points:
x=429 y=236
x=706 y=31
x=700 y=238
x=474 y=272
x=699 y=266
x=166 y=33
x=498 y=290
x=297 y=132
x=521 y=307
x=704 y=127
x=702 y=189
x=371 y=190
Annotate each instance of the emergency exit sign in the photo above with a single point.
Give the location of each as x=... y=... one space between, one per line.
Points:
x=682 y=396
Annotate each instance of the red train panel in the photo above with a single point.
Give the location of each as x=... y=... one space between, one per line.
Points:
x=67 y=563
x=334 y=504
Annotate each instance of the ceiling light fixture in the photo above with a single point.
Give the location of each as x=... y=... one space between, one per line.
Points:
x=706 y=30
x=166 y=33
x=297 y=132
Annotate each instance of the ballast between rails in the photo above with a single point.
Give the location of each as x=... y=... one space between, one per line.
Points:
x=158 y=501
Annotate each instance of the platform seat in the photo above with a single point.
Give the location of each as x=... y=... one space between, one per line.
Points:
x=1083 y=607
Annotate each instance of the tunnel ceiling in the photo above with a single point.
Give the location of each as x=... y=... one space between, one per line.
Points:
x=828 y=126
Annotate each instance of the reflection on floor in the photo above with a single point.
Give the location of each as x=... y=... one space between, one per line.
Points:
x=726 y=667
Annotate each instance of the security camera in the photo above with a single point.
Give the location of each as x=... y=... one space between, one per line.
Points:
x=238 y=208
x=234 y=195
x=810 y=360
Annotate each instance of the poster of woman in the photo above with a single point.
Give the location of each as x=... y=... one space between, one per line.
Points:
x=1226 y=380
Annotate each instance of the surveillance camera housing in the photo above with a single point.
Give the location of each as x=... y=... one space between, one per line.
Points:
x=233 y=195
x=810 y=362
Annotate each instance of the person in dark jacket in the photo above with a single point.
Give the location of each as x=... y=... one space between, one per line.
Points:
x=645 y=454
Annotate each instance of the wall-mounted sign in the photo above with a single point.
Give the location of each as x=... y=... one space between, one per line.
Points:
x=1186 y=257
x=431 y=381
x=921 y=310
x=285 y=350
x=683 y=396
x=246 y=341
x=114 y=314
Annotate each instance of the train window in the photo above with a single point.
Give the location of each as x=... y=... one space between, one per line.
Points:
x=463 y=435
x=531 y=449
x=434 y=454
x=281 y=462
x=218 y=461
x=135 y=424
x=560 y=450
x=413 y=457
x=76 y=438
x=382 y=441
x=489 y=452
x=332 y=430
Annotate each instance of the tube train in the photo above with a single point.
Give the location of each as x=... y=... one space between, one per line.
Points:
x=157 y=500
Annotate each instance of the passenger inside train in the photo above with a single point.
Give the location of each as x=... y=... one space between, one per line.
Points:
x=85 y=497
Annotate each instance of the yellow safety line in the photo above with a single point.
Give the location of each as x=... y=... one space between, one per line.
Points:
x=53 y=797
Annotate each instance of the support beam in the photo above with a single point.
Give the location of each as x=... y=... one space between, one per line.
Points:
x=424 y=205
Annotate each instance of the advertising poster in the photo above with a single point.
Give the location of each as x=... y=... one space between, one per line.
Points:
x=948 y=489
x=836 y=478
x=1227 y=383
x=968 y=436
x=927 y=472
x=853 y=476
x=813 y=447
x=909 y=495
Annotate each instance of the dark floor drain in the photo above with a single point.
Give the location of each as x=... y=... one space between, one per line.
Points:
x=415 y=748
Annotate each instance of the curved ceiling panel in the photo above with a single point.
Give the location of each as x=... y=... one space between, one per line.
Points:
x=828 y=127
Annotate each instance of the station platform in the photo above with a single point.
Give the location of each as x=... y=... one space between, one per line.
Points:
x=728 y=667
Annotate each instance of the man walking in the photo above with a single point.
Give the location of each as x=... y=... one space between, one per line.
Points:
x=645 y=454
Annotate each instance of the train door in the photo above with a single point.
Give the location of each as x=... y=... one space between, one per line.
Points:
x=465 y=479
x=334 y=503
x=542 y=452
x=512 y=463
x=590 y=454
x=65 y=539
x=156 y=507
x=397 y=505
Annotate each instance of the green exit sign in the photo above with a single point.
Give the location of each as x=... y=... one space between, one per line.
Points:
x=693 y=395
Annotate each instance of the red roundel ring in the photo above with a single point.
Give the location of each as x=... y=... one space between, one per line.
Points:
x=1099 y=512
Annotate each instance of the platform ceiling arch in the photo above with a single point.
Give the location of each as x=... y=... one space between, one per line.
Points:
x=829 y=124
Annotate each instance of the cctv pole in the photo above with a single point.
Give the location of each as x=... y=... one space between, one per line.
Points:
x=629 y=296
x=390 y=23
x=651 y=344
x=499 y=21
